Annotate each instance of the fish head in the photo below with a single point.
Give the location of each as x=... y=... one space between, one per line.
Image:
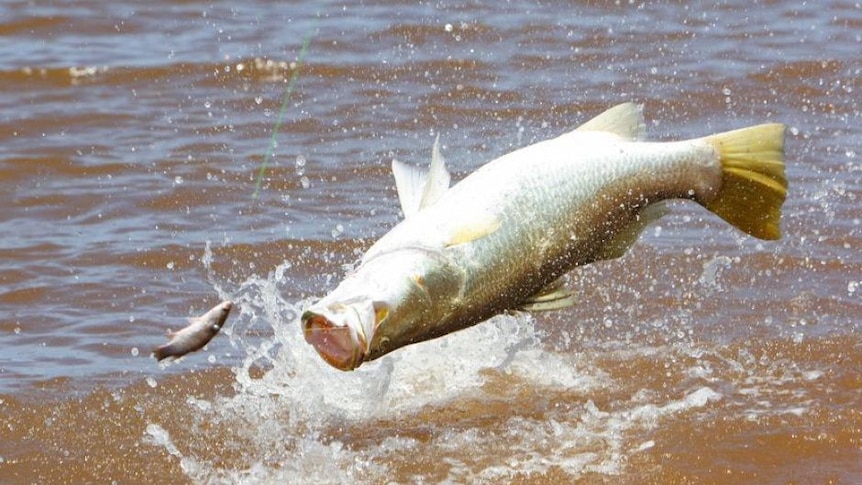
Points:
x=343 y=325
x=224 y=309
x=378 y=308
x=216 y=317
x=339 y=330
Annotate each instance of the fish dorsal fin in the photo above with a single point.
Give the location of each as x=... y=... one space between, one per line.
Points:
x=419 y=188
x=625 y=120
x=438 y=177
x=552 y=297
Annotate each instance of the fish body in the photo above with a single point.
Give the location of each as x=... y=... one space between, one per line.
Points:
x=196 y=335
x=502 y=238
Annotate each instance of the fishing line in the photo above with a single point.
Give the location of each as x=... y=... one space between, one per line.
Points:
x=280 y=118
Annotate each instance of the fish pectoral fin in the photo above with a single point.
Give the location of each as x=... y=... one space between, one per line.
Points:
x=625 y=120
x=473 y=229
x=552 y=297
x=419 y=188
x=627 y=236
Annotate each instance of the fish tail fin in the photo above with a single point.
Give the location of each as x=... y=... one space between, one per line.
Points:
x=754 y=185
x=163 y=352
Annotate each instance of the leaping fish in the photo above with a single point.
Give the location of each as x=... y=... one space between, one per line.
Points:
x=197 y=334
x=502 y=238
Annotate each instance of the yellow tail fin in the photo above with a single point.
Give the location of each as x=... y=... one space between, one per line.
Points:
x=753 y=182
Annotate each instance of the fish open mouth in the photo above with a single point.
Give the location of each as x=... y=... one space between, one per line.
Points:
x=339 y=345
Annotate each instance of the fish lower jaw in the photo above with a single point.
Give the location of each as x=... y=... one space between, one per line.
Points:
x=336 y=344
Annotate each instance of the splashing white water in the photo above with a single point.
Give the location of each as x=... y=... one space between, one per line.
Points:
x=298 y=421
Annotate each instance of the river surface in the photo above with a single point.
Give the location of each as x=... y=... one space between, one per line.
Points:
x=132 y=135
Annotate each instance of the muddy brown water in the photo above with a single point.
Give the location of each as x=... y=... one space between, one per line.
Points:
x=131 y=136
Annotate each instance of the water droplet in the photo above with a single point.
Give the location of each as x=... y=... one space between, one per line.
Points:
x=448 y=28
x=258 y=99
x=305 y=182
x=134 y=351
x=712 y=271
x=151 y=382
x=178 y=180
x=339 y=229
x=170 y=265
x=300 y=165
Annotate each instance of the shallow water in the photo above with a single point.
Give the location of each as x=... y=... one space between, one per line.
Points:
x=131 y=139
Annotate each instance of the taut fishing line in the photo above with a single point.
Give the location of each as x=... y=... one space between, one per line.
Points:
x=280 y=118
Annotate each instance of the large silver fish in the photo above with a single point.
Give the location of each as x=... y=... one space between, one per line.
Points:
x=502 y=238
x=196 y=335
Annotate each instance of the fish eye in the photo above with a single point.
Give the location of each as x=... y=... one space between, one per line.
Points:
x=384 y=344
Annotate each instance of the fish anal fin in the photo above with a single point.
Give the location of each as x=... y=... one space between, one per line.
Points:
x=625 y=120
x=552 y=297
x=627 y=236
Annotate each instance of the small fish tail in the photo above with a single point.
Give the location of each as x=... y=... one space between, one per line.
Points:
x=162 y=352
x=754 y=185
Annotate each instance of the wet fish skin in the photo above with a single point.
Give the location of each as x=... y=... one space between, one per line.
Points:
x=501 y=238
x=196 y=335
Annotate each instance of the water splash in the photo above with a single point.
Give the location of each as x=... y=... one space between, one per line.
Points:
x=710 y=279
x=495 y=389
